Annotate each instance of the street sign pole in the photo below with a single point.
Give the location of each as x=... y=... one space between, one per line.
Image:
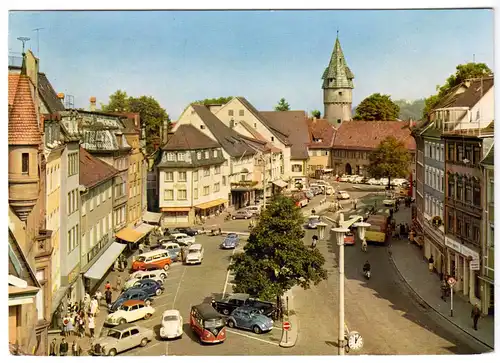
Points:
x=451 y=298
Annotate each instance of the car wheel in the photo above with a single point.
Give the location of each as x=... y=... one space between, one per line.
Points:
x=166 y=267
x=230 y=323
x=256 y=329
x=144 y=342
x=148 y=302
x=163 y=276
x=225 y=311
x=160 y=281
x=147 y=316
x=123 y=321
x=112 y=352
x=159 y=292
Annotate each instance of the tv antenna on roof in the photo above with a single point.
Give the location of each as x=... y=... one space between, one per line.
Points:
x=37 y=30
x=24 y=40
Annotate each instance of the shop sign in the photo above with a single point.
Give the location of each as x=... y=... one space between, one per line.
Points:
x=452 y=244
x=73 y=274
x=468 y=252
x=474 y=265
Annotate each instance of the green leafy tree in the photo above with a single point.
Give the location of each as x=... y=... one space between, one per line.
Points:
x=316 y=114
x=214 y=101
x=282 y=105
x=377 y=107
x=152 y=114
x=462 y=73
x=391 y=159
x=275 y=258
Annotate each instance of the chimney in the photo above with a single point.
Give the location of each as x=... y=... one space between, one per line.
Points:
x=92 y=103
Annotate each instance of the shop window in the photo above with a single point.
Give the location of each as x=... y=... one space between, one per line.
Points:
x=476 y=196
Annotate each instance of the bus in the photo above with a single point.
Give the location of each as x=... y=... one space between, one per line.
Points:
x=300 y=199
x=379 y=229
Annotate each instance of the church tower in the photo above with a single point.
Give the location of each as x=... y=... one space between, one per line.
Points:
x=337 y=88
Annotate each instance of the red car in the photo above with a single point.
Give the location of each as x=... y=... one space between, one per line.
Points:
x=349 y=238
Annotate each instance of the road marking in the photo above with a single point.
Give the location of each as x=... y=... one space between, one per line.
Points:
x=251 y=337
x=227 y=274
x=178 y=287
x=146 y=347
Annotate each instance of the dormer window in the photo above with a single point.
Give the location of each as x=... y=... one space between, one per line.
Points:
x=170 y=156
x=198 y=155
x=202 y=127
x=207 y=154
x=215 y=153
x=272 y=138
x=315 y=139
x=181 y=156
x=25 y=159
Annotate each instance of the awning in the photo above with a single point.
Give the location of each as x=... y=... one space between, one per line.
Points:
x=280 y=183
x=176 y=209
x=129 y=235
x=211 y=204
x=151 y=217
x=144 y=228
x=104 y=262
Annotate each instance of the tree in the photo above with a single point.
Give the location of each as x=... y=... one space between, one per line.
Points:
x=462 y=73
x=275 y=258
x=282 y=105
x=212 y=101
x=377 y=107
x=151 y=113
x=391 y=159
x=410 y=110
x=316 y=114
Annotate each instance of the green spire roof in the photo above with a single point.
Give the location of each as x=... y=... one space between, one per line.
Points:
x=337 y=70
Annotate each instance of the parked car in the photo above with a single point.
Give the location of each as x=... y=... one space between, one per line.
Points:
x=173 y=247
x=157 y=275
x=254 y=209
x=121 y=338
x=344 y=178
x=309 y=194
x=316 y=190
x=231 y=241
x=156 y=259
x=195 y=254
x=233 y=301
x=130 y=294
x=151 y=287
x=372 y=181
x=357 y=179
x=384 y=181
x=187 y=230
x=249 y=318
x=343 y=195
x=183 y=237
x=242 y=214
x=313 y=221
x=131 y=310
x=171 y=324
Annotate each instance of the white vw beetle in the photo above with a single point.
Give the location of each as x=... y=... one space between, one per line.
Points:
x=131 y=310
x=171 y=324
x=157 y=275
x=182 y=237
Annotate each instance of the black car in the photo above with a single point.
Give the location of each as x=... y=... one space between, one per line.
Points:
x=227 y=305
x=187 y=230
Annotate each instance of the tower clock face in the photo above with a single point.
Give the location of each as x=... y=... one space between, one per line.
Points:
x=355 y=341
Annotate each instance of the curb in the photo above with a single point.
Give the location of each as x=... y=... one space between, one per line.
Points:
x=422 y=300
x=293 y=333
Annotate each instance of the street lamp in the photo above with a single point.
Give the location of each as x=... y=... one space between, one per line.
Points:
x=339 y=234
x=361 y=227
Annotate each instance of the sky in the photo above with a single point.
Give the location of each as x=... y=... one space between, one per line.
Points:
x=182 y=56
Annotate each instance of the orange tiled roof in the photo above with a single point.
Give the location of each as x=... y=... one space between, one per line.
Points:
x=23 y=122
x=13 y=80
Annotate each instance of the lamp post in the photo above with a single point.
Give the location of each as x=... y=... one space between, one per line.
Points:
x=339 y=234
x=361 y=227
x=321 y=230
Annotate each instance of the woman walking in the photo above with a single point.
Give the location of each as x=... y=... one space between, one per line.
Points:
x=91 y=325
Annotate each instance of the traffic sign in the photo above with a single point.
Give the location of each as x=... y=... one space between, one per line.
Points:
x=287 y=326
x=451 y=281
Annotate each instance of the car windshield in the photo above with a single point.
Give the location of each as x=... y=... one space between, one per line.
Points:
x=141 y=259
x=232 y=235
x=123 y=307
x=170 y=318
x=213 y=323
x=114 y=334
x=193 y=250
x=313 y=220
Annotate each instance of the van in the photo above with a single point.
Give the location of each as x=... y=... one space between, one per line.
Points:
x=254 y=209
x=159 y=259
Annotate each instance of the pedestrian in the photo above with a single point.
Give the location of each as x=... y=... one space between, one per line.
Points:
x=108 y=295
x=314 y=241
x=475 y=315
x=75 y=349
x=141 y=248
x=63 y=348
x=53 y=348
x=118 y=283
x=407 y=229
x=444 y=289
x=355 y=203
x=81 y=332
x=98 y=296
x=94 y=306
x=107 y=286
x=431 y=264
x=71 y=324
x=91 y=325
x=65 y=320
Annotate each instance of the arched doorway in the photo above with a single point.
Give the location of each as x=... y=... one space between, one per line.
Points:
x=348 y=169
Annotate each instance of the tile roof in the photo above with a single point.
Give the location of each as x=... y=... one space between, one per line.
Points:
x=337 y=70
x=13 y=80
x=369 y=134
x=283 y=137
x=231 y=141
x=256 y=135
x=49 y=95
x=320 y=129
x=188 y=137
x=293 y=124
x=24 y=128
x=473 y=93
x=94 y=171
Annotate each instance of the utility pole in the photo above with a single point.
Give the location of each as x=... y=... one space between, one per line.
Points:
x=37 y=30
x=23 y=40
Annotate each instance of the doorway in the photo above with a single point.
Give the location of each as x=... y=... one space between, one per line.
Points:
x=348 y=169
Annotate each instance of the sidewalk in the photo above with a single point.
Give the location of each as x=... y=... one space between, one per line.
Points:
x=409 y=262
